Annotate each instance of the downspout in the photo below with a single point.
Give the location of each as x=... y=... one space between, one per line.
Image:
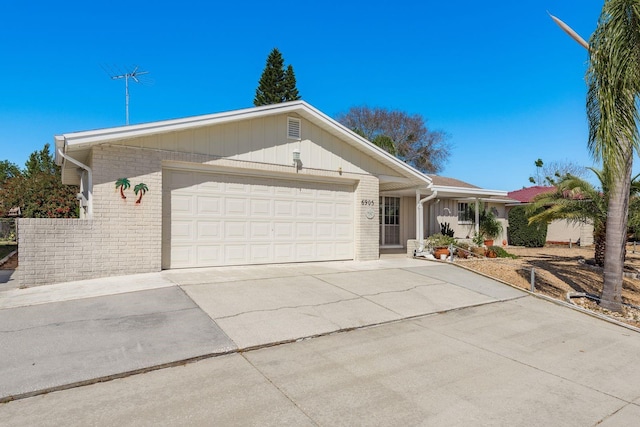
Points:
x=419 y=213
x=89 y=181
x=477 y=217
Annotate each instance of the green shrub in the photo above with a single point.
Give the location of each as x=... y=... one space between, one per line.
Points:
x=500 y=252
x=439 y=240
x=521 y=233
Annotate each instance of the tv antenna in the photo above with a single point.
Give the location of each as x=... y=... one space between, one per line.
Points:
x=133 y=75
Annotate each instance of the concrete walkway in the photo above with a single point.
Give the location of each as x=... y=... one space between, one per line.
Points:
x=494 y=354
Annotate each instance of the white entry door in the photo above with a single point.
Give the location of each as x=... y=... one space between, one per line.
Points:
x=389 y=221
x=214 y=220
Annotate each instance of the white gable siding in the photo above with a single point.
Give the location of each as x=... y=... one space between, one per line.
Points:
x=264 y=140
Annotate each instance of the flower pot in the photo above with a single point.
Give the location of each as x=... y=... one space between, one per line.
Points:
x=488 y=242
x=438 y=252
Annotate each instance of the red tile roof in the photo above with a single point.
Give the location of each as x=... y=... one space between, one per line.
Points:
x=527 y=194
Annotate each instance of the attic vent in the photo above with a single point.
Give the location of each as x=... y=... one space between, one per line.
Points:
x=293 y=128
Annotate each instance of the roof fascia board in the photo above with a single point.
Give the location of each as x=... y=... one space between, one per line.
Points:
x=79 y=139
x=470 y=192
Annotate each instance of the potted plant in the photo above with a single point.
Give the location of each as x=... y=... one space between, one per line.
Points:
x=439 y=244
x=489 y=227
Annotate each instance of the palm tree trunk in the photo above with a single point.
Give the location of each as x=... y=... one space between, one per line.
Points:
x=600 y=236
x=611 y=297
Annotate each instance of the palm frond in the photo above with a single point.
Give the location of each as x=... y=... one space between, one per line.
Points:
x=613 y=79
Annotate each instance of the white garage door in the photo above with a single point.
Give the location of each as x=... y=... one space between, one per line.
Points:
x=213 y=220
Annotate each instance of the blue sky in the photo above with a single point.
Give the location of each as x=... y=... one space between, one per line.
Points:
x=498 y=76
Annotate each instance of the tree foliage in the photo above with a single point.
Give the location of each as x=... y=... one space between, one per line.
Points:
x=38 y=190
x=550 y=173
x=577 y=201
x=521 y=233
x=277 y=83
x=8 y=170
x=401 y=134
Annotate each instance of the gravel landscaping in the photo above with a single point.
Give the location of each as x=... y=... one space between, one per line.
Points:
x=560 y=270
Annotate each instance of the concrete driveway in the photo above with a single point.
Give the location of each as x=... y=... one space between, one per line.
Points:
x=272 y=304
x=428 y=343
x=524 y=362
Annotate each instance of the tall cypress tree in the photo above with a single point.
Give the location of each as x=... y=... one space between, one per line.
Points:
x=276 y=84
x=290 y=89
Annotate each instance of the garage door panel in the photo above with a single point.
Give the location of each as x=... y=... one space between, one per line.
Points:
x=324 y=250
x=236 y=230
x=182 y=205
x=343 y=211
x=261 y=253
x=260 y=207
x=182 y=256
x=262 y=189
x=236 y=187
x=236 y=207
x=325 y=210
x=283 y=208
x=343 y=250
x=209 y=205
x=235 y=254
x=343 y=231
x=304 y=251
x=209 y=254
x=282 y=231
x=283 y=252
x=182 y=231
x=325 y=230
x=208 y=186
x=305 y=230
x=260 y=230
x=304 y=209
x=208 y=230
x=233 y=220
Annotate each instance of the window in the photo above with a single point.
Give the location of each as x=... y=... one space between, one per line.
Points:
x=465 y=214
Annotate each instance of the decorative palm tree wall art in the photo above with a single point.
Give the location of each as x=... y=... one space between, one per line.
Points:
x=140 y=189
x=123 y=184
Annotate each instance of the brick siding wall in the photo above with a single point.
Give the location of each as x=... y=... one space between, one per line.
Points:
x=126 y=238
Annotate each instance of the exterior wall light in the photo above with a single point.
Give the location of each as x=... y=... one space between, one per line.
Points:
x=296 y=159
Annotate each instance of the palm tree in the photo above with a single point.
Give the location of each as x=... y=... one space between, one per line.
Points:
x=613 y=78
x=123 y=184
x=577 y=201
x=142 y=189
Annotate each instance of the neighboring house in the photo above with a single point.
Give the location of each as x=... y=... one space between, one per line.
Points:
x=272 y=184
x=560 y=230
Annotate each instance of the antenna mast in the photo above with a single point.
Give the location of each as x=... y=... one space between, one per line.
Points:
x=126 y=76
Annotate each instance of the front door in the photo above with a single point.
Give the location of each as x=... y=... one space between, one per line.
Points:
x=389 y=221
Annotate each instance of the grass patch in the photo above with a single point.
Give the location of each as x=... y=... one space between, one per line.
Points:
x=7 y=248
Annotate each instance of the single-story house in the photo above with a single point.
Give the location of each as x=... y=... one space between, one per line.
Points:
x=560 y=230
x=273 y=184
